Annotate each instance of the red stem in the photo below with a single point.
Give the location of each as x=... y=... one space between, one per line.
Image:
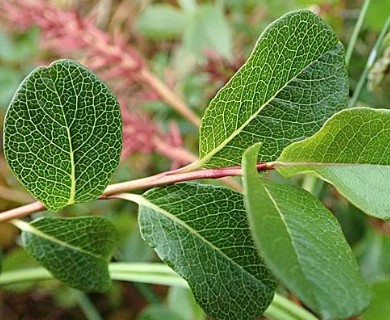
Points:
x=160 y=179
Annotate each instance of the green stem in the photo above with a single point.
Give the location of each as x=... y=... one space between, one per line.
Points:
x=158 y=273
x=24 y=275
x=87 y=306
x=356 y=30
x=370 y=61
x=283 y=309
x=147 y=293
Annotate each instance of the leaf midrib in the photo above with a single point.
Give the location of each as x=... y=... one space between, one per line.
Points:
x=295 y=165
x=72 y=174
x=291 y=240
x=208 y=156
x=35 y=231
x=143 y=201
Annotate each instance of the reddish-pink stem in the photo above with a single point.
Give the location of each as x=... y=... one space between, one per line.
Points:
x=175 y=176
x=21 y=211
x=160 y=179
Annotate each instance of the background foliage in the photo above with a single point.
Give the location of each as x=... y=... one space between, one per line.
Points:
x=157 y=56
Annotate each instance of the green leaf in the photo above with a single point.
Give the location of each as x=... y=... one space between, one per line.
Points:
x=373 y=255
x=352 y=152
x=181 y=301
x=9 y=81
x=63 y=134
x=75 y=250
x=379 y=308
x=17 y=260
x=207 y=28
x=158 y=312
x=293 y=81
x=303 y=244
x=161 y=21
x=20 y=48
x=201 y=231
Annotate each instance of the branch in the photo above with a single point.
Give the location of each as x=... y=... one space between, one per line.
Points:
x=175 y=176
x=22 y=211
x=167 y=95
x=165 y=178
x=185 y=156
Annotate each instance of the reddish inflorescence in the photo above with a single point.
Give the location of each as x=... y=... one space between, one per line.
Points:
x=67 y=34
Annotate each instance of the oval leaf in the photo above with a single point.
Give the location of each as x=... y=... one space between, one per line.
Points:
x=202 y=233
x=75 y=250
x=303 y=244
x=294 y=80
x=63 y=134
x=352 y=152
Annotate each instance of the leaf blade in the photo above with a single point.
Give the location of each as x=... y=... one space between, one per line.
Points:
x=303 y=244
x=225 y=273
x=63 y=134
x=161 y=21
x=259 y=103
x=352 y=153
x=75 y=250
x=207 y=28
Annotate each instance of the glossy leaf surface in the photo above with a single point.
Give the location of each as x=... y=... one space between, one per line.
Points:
x=201 y=231
x=352 y=152
x=63 y=134
x=303 y=244
x=293 y=81
x=75 y=250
